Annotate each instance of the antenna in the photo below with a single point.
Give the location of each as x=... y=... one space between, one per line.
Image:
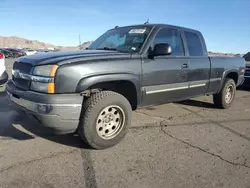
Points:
x=147 y=22
x=80 y=42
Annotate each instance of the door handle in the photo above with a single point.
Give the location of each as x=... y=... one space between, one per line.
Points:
x=184 y=66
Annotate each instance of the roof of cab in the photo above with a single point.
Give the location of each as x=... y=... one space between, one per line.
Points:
x=161 y=25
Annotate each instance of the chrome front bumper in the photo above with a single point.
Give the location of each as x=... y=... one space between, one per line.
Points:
x=60 y=112
x=65 y=111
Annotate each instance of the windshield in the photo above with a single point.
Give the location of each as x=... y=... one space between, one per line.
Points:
x=125 y=39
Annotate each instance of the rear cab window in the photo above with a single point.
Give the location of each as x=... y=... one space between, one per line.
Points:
x=194 y=44
x=173 y=38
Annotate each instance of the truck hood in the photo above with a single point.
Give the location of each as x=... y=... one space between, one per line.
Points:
x=55 y=57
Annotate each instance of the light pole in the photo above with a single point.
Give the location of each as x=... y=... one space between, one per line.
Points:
x=80 y=42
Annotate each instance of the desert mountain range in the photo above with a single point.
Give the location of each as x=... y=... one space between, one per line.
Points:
x=17 y=42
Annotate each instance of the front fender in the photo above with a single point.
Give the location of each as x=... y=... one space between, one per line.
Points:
x=86 y=82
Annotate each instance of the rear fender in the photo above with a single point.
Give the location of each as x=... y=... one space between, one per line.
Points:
x=224 y=76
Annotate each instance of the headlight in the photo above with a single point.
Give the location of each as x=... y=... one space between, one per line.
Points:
x=39 y=86
x=43 y=87
x=45 y=70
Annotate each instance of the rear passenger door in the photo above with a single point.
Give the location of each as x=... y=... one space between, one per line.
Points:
x=199 y=64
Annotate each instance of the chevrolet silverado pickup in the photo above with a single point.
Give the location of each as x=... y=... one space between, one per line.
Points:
x=94 y=91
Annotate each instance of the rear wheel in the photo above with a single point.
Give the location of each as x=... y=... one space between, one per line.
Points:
x=225 y=98
x=105 y=118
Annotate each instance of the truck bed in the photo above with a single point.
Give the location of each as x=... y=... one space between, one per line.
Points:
x=219 y=68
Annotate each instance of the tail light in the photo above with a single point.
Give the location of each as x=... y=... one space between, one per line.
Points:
x=19 y=53
x=1 y=56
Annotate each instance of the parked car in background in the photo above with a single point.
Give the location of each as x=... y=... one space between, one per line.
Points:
x=3 y=73
x=30 y=52
x=16 y=52
x=6 y=53
x=40 y=51
x=246 y=82
x=13 y=52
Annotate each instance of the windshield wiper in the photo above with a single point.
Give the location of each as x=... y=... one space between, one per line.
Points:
x=107 y=48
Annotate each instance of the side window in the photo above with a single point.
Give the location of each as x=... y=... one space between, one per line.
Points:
x=173 y=38
x=194 y=44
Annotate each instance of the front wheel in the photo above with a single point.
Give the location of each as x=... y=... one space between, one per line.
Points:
x=225 y=98
x=105 y=118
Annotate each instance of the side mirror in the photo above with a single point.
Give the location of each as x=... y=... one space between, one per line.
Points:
x=161 y=49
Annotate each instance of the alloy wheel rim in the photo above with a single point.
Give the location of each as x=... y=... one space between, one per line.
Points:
x=229 y=94
x=110 y=122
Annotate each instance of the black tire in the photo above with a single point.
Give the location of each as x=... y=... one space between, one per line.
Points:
x=220 y=98
x=92 y=108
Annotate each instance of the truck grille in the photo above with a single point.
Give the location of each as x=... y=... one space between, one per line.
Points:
x=23 y=68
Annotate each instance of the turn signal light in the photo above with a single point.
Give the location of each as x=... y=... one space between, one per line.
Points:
x=53 y=71
x=51 y=87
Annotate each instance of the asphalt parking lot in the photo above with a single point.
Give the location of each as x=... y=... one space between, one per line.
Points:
x=187 y=144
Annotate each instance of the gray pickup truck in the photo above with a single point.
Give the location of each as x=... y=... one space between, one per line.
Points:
x=94 y=91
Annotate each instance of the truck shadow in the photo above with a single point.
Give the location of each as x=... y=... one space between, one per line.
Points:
x=8 y=117
x=195 y=103
x=34 y=131
x=71 y=140
x=16 y=125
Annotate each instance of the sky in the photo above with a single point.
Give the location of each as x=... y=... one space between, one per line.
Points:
x=225 y=24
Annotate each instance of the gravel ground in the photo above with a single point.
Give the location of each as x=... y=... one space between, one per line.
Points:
x=187 y=144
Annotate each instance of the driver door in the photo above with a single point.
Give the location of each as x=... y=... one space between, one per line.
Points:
x=165 y=77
